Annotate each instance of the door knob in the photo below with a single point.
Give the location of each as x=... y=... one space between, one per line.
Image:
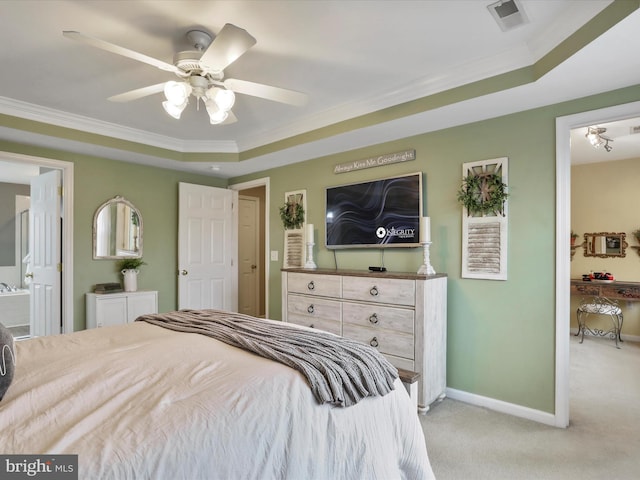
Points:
x=28 y=275
x=253 y=267
x=184 y=272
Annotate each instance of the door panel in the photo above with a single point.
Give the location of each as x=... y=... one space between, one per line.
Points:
x=207 y=248
x=248 y=255
x=45 y=247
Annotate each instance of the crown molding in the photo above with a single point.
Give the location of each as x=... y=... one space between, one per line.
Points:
x=37 y=113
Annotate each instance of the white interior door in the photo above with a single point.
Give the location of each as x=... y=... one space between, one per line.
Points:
x=45 y=247
x=207 y=248
x=248 y=255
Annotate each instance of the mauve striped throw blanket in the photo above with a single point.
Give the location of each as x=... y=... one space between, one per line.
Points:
x=340 y=371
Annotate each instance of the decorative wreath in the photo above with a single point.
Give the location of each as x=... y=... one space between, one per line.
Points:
x=292 y=215
x=483 y=193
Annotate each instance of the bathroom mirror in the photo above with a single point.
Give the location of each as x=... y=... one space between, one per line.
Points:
x=605 y=244
x=117 y=230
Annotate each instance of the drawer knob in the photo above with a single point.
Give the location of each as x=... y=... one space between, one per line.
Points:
x=374 y=291
x=374 y=342
x=310 y=308
x=311 y=285
x=374 y=318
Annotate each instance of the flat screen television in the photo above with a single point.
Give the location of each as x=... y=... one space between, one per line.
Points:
x=374 y=214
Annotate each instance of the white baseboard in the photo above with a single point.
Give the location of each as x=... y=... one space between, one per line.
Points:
x=511 y=408
x=503 y=407
x=625 y=338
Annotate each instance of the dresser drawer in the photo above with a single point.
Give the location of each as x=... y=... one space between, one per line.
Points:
x=314 y=307
x=312 y=284
x=380 y=290
x=400 y=362
x=391 y=343
x=372 y=315
x=331 y=326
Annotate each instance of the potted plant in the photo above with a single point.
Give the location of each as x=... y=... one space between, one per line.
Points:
x=574 y=236
x=129 y=267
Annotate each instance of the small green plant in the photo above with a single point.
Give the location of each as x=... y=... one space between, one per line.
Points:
x=131 y=263
x=574 y=237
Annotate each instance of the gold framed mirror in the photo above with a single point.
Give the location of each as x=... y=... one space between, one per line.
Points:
x=605 y=244
x=117 y=230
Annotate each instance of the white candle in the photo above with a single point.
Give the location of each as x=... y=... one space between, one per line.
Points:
x=425 y=230
x=309 y=232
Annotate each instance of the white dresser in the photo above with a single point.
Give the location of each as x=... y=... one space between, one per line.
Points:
x=108 y=309
x=403 y=315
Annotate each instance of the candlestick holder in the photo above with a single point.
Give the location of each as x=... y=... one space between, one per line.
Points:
x=426 y=268
x=310 y=263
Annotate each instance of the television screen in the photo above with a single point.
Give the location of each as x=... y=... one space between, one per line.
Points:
x=378 y=213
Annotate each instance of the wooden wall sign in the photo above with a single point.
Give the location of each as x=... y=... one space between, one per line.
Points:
x=379 y=161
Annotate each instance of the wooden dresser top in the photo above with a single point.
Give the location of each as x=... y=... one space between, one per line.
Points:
x=365 y=273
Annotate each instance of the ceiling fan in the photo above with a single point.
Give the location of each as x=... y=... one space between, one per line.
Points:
x=201 y=73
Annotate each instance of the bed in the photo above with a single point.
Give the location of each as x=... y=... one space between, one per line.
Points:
x=142 y=401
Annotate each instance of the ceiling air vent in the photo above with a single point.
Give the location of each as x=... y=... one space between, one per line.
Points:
x=508 y=14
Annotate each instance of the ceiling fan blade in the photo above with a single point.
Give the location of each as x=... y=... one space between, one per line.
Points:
x=230 y=119
x=268 y=92
x=225 y=49
x=138 y=93
x=125 y=52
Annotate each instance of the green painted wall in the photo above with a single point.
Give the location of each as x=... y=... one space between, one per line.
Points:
x=501 y=334
x=154 y=191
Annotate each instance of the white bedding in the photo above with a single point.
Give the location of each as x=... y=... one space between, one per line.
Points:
x=141 y=402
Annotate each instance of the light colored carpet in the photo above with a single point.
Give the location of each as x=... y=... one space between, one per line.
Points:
x=602 y=441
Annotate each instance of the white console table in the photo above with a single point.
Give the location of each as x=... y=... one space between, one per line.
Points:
x=403 y=315
x=119 y=308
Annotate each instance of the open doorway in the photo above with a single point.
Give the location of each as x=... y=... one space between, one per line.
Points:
x=17 y=172
x=253 y=247
x=564 y=126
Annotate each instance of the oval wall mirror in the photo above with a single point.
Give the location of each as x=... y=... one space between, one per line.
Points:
x=117 y=230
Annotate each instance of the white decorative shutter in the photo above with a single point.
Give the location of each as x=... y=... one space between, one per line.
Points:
x=294 y=248
x=484 y=236
x=294 y=241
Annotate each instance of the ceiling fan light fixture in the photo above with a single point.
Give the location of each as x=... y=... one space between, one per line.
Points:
x=174 y=110
x=201 y=73
x=177 y=93
x=224 y=98
x=216 y=114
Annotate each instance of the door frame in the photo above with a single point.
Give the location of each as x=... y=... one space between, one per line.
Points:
x=564 y=125
x=262 y=182
x=67 y=227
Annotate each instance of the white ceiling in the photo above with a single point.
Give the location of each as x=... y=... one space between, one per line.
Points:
x=350 y=57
